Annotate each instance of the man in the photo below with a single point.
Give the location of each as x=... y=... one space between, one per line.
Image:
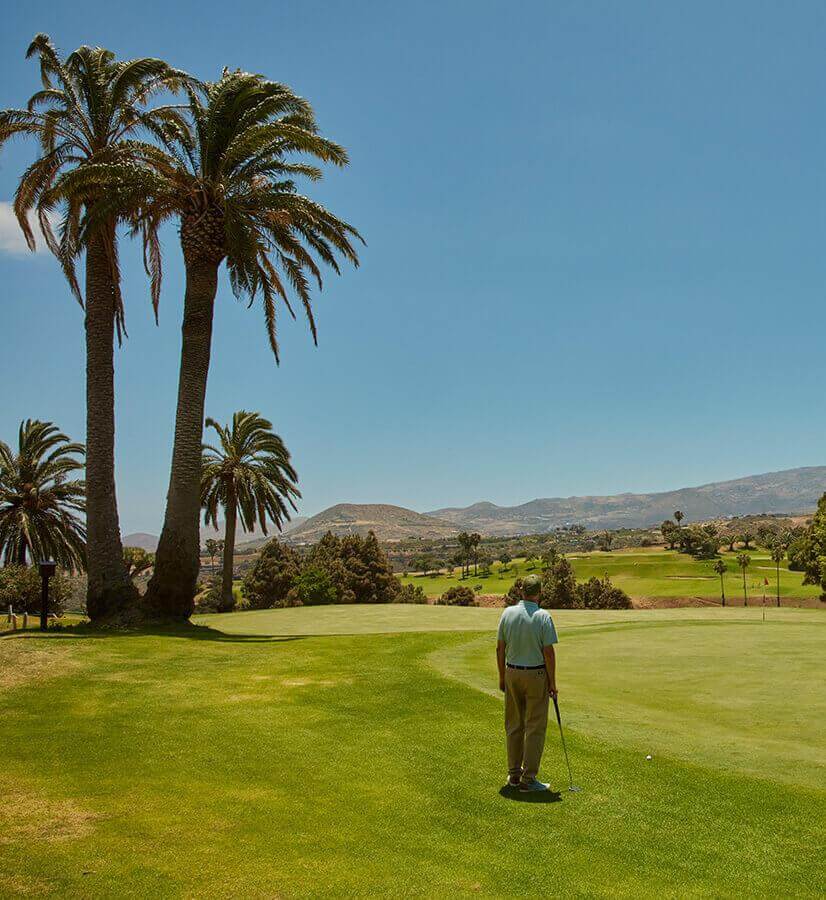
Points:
x=527 y=676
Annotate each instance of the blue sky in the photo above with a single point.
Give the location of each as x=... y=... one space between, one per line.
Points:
x=595 y=249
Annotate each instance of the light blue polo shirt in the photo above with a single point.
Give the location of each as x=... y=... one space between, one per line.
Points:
x=525 y=630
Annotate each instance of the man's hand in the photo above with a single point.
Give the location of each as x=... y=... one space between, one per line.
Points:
x=552 y=690
x=502 y=685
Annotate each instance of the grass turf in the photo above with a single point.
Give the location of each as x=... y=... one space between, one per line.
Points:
x=648 y=573
x=275 y=762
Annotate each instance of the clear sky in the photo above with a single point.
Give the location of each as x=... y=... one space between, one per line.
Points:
x=595 y=255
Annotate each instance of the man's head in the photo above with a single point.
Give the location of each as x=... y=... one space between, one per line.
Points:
x=531 y=587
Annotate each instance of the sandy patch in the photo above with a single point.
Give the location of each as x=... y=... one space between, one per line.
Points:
x=28 y=817
x=22 y=662
x=22 y=886
x=315 y=682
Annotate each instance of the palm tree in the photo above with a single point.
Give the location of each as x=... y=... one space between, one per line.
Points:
x=721 y=568
x=778 y=555
x=211 y=549
x=40 y=503
x=465 y=546
x=250 y=475
x=744 y=560
x=475 y=540
x=678 y=518
x=227 y=174
x=86 y=118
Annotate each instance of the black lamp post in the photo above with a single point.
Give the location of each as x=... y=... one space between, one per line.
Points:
x=47 y=569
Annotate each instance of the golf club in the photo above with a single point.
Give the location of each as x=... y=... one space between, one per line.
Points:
x=571 y=786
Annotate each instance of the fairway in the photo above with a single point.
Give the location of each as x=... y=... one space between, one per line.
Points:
x=652 y=573
x=359 y=750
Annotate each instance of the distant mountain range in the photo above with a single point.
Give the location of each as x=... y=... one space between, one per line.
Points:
x=790 y=491
x=150 y=541
x=390 y=523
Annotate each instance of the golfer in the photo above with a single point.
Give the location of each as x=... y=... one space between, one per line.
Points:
x=527 y=675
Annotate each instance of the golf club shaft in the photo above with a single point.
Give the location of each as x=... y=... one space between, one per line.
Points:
x=564 y=746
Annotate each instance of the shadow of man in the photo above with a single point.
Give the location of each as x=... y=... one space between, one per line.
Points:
x=513 y=793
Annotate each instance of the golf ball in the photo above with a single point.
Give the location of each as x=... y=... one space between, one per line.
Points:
x=649 y=756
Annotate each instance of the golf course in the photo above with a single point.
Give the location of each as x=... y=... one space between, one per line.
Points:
x=353 y=750
x=647 y=573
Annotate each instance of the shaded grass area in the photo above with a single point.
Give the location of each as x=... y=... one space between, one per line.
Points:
x=647 y=573
x=188 y=763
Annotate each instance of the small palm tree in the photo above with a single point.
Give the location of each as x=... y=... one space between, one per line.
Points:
x=678 y=518
x=227 y=174
x=248 y=475
x=744 y=560
x=40 y=504
x=86 y=119
x=721 y=568
x=778 y=555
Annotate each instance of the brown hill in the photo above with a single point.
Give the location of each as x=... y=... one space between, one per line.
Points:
x=390 y=523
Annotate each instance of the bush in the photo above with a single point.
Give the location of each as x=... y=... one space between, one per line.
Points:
x=20 y=588
x=273 y=576
x=411 y=593
x=357 y=567
x=313 y=587
x=210 y=599
x=599 y=593
x=514 y=594
x=559 y=588
x=457 y=596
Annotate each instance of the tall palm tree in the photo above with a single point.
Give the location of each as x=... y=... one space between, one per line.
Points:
x=86 y=118
x=744 y=561
x=250 y=475
x=778 y=555
x=678 y=518
x=40 y=503
x=721 y=568
x=226 y=173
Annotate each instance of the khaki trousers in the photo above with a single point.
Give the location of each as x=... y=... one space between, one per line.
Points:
x=526 y=719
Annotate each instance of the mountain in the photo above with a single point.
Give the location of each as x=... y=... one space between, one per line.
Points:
x=150 y=541
x=793 y=490
x=390 y=523
x=141 y=539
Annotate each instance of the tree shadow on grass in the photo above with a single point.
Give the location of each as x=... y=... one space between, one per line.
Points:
x=512 y=793
x=186 y=630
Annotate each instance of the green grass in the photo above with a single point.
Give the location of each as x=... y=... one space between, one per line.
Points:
x=648 y=573
x=337 y=751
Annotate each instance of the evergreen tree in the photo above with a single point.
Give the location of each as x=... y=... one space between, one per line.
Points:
x=273 y=576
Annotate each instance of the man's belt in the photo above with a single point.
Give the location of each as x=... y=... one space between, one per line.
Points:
x=524 y=668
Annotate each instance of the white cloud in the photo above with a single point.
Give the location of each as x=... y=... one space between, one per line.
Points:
x=11 y=237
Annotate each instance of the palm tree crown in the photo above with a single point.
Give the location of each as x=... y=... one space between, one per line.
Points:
x=86 y=116
x=227 y=172
x=40 y=505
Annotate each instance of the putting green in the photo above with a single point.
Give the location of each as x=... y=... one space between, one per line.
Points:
x=733 y=695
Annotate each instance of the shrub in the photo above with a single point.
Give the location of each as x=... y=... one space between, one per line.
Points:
x=457 y=596
x=20 y=588
x=210 y=600
x=273 y=576
x=411 y=593
x=357 y=567
x=313 y=587
x=514 y=594
x=599 y=593
x=559 y=588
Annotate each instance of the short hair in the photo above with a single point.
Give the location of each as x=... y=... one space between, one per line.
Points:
x=532 y=587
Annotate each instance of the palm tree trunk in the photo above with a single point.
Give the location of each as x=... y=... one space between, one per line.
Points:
x=722 y=591
x=230 y=514
x=110 y=592
x=171 y=592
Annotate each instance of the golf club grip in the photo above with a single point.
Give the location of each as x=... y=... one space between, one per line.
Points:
x=556 y=708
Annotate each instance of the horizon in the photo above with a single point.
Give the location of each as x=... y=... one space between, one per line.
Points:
x=596 y=265
x=434 y=510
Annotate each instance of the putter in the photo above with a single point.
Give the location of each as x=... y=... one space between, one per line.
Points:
x=571 y=786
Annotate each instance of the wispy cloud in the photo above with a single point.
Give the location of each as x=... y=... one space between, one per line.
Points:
x=11 y=237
